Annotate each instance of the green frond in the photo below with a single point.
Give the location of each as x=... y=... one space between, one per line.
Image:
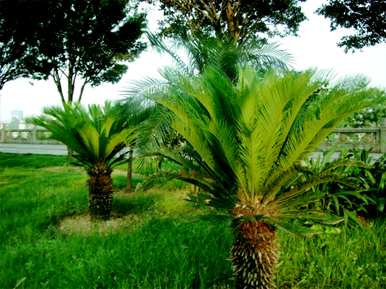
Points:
x=95 y=134
x=119 y=139
x=90 y=137
x=106 y=126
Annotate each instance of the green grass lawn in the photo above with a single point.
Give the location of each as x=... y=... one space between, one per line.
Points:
x=157 y=239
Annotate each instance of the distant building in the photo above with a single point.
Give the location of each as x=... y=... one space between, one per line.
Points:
x=17 y=114
x=16 y=119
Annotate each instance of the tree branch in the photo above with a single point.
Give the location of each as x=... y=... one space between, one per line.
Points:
x=62 y=72
x=232 y=21
x=82 y=90
x=211 y=13
x=55 y=76
x=70 y=83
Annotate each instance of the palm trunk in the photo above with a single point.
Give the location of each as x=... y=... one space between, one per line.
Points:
x=100 y=192
x=254 y=254
x=129 y=187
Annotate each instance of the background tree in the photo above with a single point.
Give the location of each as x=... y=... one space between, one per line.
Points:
x=226 y=55
x=245 y=141
x=18 y=39
x=370 y=116
x=235 y=19
x=366 y=17
x=83 y=42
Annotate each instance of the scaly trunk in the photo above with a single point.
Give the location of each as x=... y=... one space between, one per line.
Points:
x=100 y=192
x=254 y=254
x=129 y=187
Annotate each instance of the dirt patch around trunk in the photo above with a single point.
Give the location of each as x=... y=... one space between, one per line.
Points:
x=83 y=225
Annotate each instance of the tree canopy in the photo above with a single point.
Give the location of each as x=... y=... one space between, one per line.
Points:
x=77 y=40
x=366 y=17
x=18 y=39
x=235 y=19
x=225 y=55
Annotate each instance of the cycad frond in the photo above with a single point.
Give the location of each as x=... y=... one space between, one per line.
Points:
x=93 y=135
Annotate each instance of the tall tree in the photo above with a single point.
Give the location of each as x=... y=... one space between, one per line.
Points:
x=365 y=17
x=245 y=141
x=235 y=19
x=83 y=42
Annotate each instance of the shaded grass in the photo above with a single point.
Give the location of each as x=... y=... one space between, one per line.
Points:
x=165 y=242
x=120 y=181
x=30 y=160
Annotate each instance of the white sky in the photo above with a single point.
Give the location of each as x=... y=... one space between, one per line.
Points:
x=315 y=46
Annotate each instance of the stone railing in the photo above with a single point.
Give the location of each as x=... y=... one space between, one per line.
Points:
x=26 y=136
x=373 y=139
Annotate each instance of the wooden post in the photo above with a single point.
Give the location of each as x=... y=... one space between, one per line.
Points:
x=129 y=187
x=382 y=137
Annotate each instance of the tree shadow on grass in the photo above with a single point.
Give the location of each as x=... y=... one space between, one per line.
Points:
x=124 y=205
x=120 y=182
x=128 y=214
x=31 y=161
x=126 y=210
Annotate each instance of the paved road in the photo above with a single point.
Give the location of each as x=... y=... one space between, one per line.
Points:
x=56 y=149
x=41 y=149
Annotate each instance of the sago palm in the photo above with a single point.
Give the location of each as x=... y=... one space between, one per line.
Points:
x=244 y=143
x=96 y=138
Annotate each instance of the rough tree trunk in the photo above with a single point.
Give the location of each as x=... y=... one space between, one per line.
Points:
x=100 y=192
x=254 y=254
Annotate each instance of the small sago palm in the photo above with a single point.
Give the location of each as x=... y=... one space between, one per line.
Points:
x=244 y=143
x=96 y=139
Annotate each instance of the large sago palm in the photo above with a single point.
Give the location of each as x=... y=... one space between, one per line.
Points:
x=245 y=141
x=96 y=137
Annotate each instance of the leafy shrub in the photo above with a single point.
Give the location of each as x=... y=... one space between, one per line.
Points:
x=377 y=190
x=358 y=187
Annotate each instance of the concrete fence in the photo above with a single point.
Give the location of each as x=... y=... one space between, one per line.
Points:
x=373 y=139
x=26 y=136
